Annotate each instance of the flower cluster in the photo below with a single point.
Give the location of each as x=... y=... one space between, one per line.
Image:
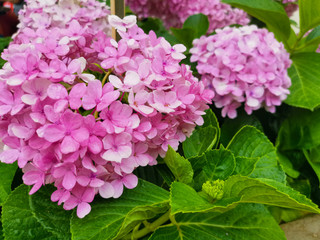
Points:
x=174 y=12
x=243 y=65
x=82 y=111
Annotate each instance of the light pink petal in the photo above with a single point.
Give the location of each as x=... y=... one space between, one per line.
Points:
x=116 y=22
x=69 y=180
x=125 y=151
x=115 y=81
x=179 y=48
x=20 y=131
x=16 y=80
x=54 y=133
x=69 y=145
x=118 y=188
x=9 y=156
x=4 y=109
x=106 y=191
x=57 y=91
x=74 y=66
x=60 y=106
x=112 y=156
x=83 y=209
x=132 y=78
x=130 y=181
x=130 y=21
x=178 y=56
x=145 y=109
x=29 y=99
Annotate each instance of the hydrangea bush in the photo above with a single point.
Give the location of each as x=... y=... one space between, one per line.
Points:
x=129 y=133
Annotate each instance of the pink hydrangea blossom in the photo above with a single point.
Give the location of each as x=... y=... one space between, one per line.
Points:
x=85 y=111
x=174 y=12
x=243 y=65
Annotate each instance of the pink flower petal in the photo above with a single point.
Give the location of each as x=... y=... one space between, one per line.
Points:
x=83 y=209
x=69 y=180
x=69 y=145
x=130 y=181
x=54 y=133
x=106 y=191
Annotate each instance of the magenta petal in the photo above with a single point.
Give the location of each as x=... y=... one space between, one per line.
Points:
x=71 y=203
x=80 y=134
x=83 y=180
x=130 y=181
x=69 y=180
x=106 y=191
x=95 y=145
x=69 y=145
x=83 y=209
x=54 y=133
x=95 y=183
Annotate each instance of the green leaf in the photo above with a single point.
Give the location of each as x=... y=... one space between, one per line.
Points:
x=267 y=11
x=210 y=119
x=7 y=172
x=245 y=165
x=313 y=158
x=309 y=14
x=165 y=173
x=287 y=165
x=201 y=140
x=179 y=166
x=220 y=164
x=304 y=74
x=269 y=192
x=301 y=130
x=251 y=143
x=34 y=217
x=240 y=189
x=199 y=23
x=314 y=36
x=245 y=222
x=231 y=126
x=184 y=36
x=116 y=217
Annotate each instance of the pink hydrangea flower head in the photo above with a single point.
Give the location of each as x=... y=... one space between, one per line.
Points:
x=243 y=65
x=85 y=111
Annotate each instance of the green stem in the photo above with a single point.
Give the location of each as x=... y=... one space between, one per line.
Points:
x=106 y=77
x=149 y=227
